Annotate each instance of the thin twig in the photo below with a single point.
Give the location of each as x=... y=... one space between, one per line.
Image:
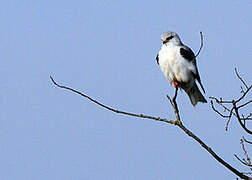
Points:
x=243 y=82
x=239 y=119
x=245 y=104
x=249 y=173
x=221 y=103
x=218 y=112
x=222 y=115
x=244 y=94
x=175 y=106
x=242 y=161
x=201 y=44
x=246 y=153
x=245 y=140
x=170 y=100
x=248 y=117
x=230 y=114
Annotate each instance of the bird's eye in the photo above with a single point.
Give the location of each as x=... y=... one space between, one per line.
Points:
x=169 y=38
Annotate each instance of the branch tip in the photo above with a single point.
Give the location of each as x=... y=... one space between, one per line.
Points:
x=201 y=44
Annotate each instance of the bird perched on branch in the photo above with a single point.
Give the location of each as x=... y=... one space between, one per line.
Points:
x=178 y=64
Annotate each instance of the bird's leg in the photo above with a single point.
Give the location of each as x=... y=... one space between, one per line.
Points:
x=175 y=84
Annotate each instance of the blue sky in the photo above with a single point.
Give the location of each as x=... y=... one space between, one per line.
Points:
x=107 y=49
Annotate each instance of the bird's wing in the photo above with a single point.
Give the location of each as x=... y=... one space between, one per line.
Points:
x=188 y=54
x=157 y=58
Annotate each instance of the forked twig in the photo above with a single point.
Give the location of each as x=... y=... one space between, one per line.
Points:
x=232 y=105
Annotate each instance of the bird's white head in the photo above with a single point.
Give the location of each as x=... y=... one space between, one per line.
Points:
x=170 y=37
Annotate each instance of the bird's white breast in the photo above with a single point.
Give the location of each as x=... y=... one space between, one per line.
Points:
x=173 y=65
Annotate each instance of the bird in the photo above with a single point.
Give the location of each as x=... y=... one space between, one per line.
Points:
x=178 y=63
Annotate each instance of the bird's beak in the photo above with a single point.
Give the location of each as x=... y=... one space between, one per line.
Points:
x=165 y=41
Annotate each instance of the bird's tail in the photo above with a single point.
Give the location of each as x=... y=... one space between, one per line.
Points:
x=195 y=95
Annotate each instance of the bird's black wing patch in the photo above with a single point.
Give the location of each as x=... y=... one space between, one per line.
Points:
x=157 y=58
x=187 y=53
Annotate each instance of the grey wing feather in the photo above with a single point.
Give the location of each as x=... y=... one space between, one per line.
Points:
x=188 y=54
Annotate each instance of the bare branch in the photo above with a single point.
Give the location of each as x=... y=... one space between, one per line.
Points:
x=249 y=173
x=244 y=94
x=112 y=109
x=246 y=162
x=174 y=105
x=177 y=123
x=239 y=119
x=230 y=115
x=244 y=104
x=218 y=112
x=245 y=140
x=201 y=44
x=233 y=107
x=245 y=153
x=248 y=117
x=243 y=82
x=221 y=103
x=242 y=161
x=189 y=133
